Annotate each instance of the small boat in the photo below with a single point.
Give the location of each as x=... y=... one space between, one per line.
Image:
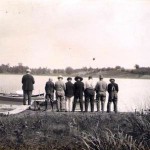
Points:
x=13 y=103
x=12 y=97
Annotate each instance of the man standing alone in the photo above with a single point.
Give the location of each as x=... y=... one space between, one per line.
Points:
x=101 y=88
x=27 y=81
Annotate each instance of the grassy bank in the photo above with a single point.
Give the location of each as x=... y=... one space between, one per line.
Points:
x=68 y=131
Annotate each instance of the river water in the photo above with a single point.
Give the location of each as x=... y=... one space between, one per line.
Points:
x=133 y=93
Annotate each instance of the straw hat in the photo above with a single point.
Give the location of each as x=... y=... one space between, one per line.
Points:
x=28 y=70
x=60 y=76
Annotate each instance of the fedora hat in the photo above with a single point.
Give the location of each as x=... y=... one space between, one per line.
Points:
x=60 y=76
x=101 y=76
x=28 y=70
x=69 y=78
x=78 y=77
x=112 y=79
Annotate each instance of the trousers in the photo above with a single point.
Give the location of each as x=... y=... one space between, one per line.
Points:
x=49 y=97
x=69 y=102
x=27 y=96
x=113 y=97
x=75 y=102
x=89 y=97
x=101 y=97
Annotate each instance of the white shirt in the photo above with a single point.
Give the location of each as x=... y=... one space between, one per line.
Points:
x=89 y=84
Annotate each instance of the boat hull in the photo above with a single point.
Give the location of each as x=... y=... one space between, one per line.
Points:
x=8 y=97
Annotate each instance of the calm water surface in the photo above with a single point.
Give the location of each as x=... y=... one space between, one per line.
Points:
x=133 y=93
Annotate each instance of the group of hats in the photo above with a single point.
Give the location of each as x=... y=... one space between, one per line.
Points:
x=80 y=78
x=61 y=77
x=69 y=78
x=76 y=78
x=111 y=79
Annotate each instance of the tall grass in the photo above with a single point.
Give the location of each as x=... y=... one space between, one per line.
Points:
x=68 y=131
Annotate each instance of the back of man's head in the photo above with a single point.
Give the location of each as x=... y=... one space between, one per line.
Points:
x=101 y=77
x=90 y=77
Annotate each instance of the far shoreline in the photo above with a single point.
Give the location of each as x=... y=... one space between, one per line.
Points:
x=121 y=76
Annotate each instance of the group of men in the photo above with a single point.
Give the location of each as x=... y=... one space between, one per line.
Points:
x=67 y=94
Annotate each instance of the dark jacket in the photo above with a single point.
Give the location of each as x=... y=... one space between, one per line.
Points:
x=78 y=88
x=113 y=87
x=49 y=87
x=69 y=89
x=28 y=81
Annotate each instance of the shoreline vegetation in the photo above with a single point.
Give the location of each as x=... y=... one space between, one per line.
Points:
x=40 y=130
x=117 y=72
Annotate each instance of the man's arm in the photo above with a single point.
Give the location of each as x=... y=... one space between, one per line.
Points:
x=117 y=88
x=33 y=81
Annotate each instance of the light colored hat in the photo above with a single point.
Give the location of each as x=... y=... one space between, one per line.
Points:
x=28 y=70
x=60 y=76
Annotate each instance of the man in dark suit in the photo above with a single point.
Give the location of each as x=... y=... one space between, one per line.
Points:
x=113 y=95
x=69 y=93
x=49 y=89
x=27 y=81
x=78 y=92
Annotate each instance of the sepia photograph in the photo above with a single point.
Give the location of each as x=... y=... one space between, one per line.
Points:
x=74 y=75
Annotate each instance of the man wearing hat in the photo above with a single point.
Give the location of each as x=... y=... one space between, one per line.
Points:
x=101 y=88
x=60 y=88
x=49 y=90
x=69 y=93
x=78 y=92
x=27 y=81
x=113 y=95
x=89 y=93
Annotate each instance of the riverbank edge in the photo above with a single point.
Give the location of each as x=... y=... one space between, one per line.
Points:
x=61 y=130
x=84 y=75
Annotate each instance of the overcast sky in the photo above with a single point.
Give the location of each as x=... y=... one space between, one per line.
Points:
x=61 y=33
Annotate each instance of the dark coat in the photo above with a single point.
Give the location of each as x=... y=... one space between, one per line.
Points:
x=27 y=81
x=69 y=89
x=113 y=86
x=78 y=89
x=49 y=87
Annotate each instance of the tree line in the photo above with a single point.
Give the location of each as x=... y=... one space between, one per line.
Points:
x=20 y=69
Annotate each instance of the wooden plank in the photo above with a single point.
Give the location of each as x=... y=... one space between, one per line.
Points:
x=18 y=109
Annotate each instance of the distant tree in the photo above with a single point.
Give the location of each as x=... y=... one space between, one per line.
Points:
x=84 y=68
x=137 y=66
x=69 y=70
x=117 y=67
